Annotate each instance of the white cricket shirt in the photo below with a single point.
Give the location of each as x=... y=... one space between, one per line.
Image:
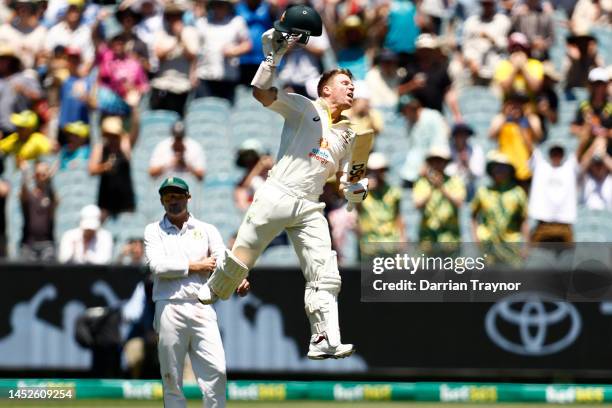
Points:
x=312 y=148
x=169 y=250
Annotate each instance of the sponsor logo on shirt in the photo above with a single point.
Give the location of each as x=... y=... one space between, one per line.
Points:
x=319 y=153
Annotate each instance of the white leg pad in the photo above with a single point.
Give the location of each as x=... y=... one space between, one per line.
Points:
x=321 y=303
x=226 y=277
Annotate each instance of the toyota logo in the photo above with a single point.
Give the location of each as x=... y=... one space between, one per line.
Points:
x=531 y=325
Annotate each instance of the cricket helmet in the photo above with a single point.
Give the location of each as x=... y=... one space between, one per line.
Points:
x=302 y=20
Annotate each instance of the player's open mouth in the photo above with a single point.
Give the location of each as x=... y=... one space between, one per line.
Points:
x=350 y=95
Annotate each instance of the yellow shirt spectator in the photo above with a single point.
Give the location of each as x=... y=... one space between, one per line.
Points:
x=505 y=68
x=502 y=211
x=34 y=146
x=511 y=143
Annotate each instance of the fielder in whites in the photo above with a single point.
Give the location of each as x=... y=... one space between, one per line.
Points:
x=181 y=252
x=316 y=143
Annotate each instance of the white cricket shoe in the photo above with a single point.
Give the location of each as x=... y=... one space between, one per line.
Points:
x=207 y=296
x=320 y=349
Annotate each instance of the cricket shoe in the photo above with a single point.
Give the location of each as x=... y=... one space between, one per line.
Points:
x=320 y=349
x=207 y=296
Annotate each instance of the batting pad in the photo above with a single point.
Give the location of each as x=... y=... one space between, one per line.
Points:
x=227 y=277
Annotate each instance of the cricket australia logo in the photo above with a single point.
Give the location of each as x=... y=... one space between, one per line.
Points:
x=319 y=153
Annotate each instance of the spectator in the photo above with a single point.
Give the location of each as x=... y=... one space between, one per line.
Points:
x=589 y=13
x=18 y=89
x=121 y=78
x=72 y=31
x=256 y=163
x=516 y=132
x=536 y=24
x=132 y=253
x=383 y=80
x=438 y=197
x=499 y=212
x=594 y=116
x=426 y=128
x=302 y=67
x=38 y=205
x=134 y=45
x=467 y=159
x=379 y=215
x=553 y=197
x=429 y=80
x=76 y=150
x=111 y=160
x=485 y=38
x=26 y=143
x=25 y=33
x=178 y=154
x=350 y=46
x=175 y=46
x=361 y=115
x=225 y=37
x=259 y=16
x=519 y=73
x=89 y=243
x=581 y=58
x=400 y=29
x=596 y=183
x=547 y=102
x=5 y=189
x=76 y=95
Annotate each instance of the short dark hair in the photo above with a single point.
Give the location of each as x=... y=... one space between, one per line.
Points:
x=328 y=75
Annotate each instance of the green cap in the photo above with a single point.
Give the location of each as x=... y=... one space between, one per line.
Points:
x=174 y=182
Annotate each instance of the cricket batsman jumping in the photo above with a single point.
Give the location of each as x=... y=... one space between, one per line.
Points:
x=316 y=143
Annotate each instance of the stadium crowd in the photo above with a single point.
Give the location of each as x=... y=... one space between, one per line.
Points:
x=76 y=78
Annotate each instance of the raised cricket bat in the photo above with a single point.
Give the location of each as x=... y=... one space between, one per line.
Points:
x=359 y=158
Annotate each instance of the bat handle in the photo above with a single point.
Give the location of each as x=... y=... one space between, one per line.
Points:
x=349 y=207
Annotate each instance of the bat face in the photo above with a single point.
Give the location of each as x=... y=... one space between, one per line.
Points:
x=359 y=156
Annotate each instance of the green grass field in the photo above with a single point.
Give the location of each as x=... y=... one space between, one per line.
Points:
x=284 y=404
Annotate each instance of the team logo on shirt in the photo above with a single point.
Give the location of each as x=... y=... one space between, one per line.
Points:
x=198 y=234
x=323 y=143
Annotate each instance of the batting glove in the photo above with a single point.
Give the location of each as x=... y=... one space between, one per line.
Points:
x=275 y=45
x=356 y=193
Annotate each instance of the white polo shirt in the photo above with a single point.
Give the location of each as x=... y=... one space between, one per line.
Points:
x=169 y=250
x=163 y=155
x=312 y=148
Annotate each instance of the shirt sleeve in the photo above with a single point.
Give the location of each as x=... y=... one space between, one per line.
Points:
x=104 y=249
x=289 y=106
x=420 y=190
x=66 y=247
x=216 y=245
x=162 y=265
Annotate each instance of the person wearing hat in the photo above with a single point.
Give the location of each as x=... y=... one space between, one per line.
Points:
x=594 y=116
x=438 y=197
x=553 y=197
x=225 y=38
x=351 y=46
x=379 y=217
x=383 y=79
x=26 y=143
x=181 y=252
x=516 y=131
x=468 y=160
x=362 y=116
x=485 y=38
x=176 y=47
x=519 y=73
x=499 y=211
x=89 y=243
x=178 y=154
x=129 y=19
x=77 y=148
x=595 y=182
x=426 y=128
x=111 y=161
x=252 y=157
x=428 y=80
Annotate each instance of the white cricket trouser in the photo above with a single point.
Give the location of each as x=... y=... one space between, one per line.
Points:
x=186 y=326
x=275 y=208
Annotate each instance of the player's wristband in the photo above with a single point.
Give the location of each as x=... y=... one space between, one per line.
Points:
x=264 y=77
